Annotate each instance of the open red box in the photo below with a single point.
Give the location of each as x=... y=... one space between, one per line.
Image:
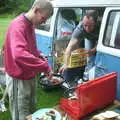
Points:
x=92 y=95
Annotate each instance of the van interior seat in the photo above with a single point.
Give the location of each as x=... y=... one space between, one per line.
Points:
x=66 y=24
x=69 y=14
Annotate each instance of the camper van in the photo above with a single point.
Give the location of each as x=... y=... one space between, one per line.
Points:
x=54 y=35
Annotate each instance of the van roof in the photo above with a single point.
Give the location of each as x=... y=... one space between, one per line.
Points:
x=84 y=3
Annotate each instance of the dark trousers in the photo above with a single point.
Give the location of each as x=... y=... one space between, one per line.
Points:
x=72 y=74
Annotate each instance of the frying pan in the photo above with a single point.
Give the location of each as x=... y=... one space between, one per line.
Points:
x=48 y=84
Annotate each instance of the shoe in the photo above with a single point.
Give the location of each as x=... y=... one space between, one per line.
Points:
x=2 y=106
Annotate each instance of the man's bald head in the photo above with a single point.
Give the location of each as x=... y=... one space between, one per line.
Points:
x=89 y=21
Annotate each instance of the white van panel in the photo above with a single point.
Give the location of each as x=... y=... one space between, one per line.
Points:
x=37 y=31
x=85 y=3
x=101 y=47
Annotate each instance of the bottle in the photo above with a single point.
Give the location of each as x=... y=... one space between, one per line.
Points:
x=80 y=81
x=85 y=76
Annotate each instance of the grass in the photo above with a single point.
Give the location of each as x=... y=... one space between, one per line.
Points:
x=45 y=99
x=48 y=98
x=3 y=26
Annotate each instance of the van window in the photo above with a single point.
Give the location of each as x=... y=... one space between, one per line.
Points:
x=45 y=26
x=112 y=32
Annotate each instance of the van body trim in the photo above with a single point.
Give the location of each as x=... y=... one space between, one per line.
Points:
x=43 y=32
x=85 y=3
x=100 y=47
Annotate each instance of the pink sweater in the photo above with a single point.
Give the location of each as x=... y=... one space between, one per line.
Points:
x=21 y=56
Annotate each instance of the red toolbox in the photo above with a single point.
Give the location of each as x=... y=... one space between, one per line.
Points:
x=92 y=95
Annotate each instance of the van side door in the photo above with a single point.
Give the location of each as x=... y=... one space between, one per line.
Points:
x=44 y=37
x=108 y=48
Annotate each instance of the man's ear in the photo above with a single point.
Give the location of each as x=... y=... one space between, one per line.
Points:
x=36 y=10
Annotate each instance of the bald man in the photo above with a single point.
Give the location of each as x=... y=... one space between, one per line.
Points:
x=86 y=29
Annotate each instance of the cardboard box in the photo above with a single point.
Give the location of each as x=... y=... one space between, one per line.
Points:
x=78 y=58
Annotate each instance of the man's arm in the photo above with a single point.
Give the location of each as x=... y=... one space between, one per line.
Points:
x=90 y=52
x=72 y=44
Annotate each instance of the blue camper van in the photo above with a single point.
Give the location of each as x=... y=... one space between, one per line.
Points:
x=54 y=35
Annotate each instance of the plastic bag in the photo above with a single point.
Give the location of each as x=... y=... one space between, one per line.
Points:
x=65 y=28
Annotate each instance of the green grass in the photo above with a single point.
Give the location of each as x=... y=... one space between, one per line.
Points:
x=3 y=27
x=45 y=99
x=48 y=98
x=4 y=22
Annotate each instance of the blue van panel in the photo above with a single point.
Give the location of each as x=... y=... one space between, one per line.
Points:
x=112 y=64
x=44 y=44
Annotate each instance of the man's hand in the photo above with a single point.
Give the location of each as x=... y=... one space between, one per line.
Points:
x=43 y=58
x=90 y=52
x=49 y=75
x=62 y=69
x=2 y=69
